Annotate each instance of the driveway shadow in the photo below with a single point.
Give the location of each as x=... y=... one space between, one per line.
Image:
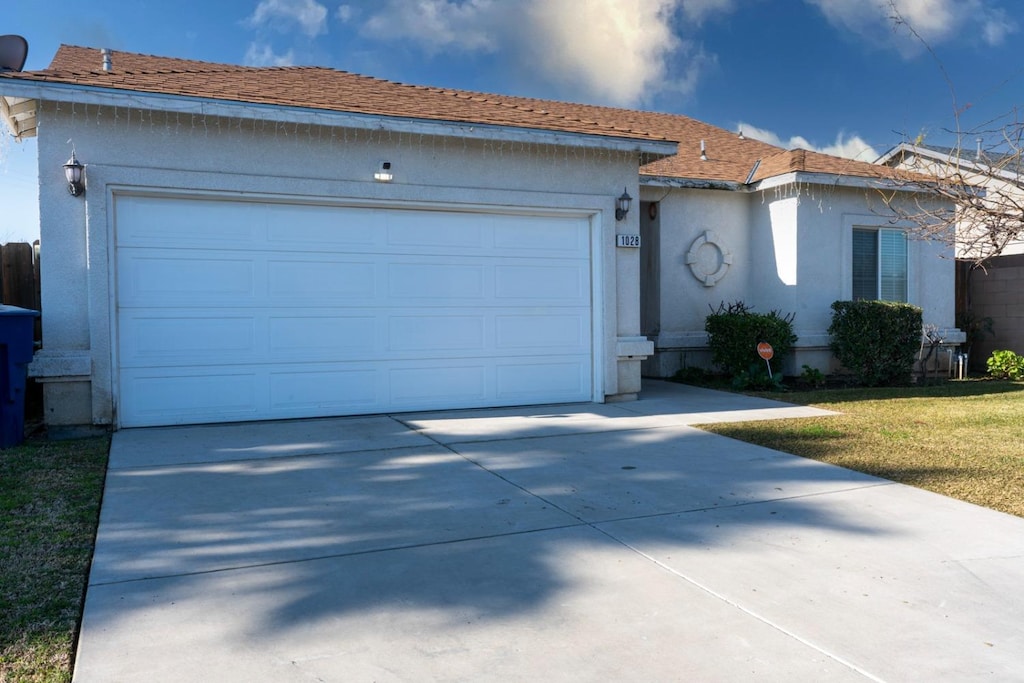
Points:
x=196 y=518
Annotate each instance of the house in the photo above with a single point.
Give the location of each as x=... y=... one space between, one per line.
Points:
x=989 y=244
x=261 y=243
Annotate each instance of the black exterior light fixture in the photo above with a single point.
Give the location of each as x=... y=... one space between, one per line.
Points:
x=384 y=174
x=73 y=171
x=622 y=205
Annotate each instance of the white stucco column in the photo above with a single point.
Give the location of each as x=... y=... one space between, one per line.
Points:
x=63 y=366
x=631 y=348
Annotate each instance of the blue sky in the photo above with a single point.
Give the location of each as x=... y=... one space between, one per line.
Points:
x=835 y=75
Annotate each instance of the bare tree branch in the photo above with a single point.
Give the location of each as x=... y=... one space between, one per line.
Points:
x=981 y=175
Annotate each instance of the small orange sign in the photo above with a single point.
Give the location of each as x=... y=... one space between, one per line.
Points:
x=765 y=350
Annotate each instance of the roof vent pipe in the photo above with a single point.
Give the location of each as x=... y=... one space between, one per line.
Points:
x=703 y=152
x=977 y=152
x=107 y=65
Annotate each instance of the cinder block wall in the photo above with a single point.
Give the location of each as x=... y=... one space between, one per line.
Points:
x=999 y=294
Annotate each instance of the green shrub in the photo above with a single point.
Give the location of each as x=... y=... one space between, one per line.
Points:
x=756 y=378
x=876 y=340
x=734 y=332
x=1006 y=365
x=812 y=376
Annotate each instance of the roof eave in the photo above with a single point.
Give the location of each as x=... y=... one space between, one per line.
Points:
x=647 y=180
x=790 y=178
x=894 y=153
x=899 y=152
x=19 y=113
x=182 y=104
x=838 y=180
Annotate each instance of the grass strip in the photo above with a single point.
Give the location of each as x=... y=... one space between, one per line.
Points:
x=963 y=439
x=50 y=494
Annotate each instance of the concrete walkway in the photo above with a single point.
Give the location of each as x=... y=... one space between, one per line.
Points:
x=560 y=543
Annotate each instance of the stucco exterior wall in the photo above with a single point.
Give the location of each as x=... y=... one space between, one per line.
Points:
x=708 y=227
x=133 y=150
x=791 y=247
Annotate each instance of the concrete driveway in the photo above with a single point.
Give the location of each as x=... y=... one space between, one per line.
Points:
x=560 y=543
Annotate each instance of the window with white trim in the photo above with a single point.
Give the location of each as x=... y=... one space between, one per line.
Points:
x=879 y=264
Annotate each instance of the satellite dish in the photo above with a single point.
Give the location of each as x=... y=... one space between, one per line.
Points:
x=13 y=51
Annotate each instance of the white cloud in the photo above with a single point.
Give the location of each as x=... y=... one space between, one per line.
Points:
x=935 y=21
x=620 y=52
x=847 y=147
x=261 y=54
x=345 y=13
x=575 y=44
x=851 y=148
x=310 y=16
x=765 y=135
x=472 y=26
x=996 y=27
x=698 y=11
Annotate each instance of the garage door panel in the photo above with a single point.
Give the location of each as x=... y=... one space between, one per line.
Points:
x=441 y=282
x=322 y=391
x=173 y=396
x=221 y=337
x=568 y=283
x=562 y=380
x=321 y=310
x=529 y=237
x=462 y=232
x=539 y=333
x=443 y=385
x=204 y=223
x=167 y=279
x=177 y=278
x=436 y=333
x=308 y=281
x=306 y=227
x=313 y=337
x=162 y=221
x=174 y=339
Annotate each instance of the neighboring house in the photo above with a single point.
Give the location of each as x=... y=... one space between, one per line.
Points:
x=999 y=177
x=260 y=243
x=994 y=290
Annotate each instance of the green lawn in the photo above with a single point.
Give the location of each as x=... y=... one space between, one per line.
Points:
x=49 y=505
x=960 y=439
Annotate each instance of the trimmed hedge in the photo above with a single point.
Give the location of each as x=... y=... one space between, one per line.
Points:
x=734 y=332
x=876 y=340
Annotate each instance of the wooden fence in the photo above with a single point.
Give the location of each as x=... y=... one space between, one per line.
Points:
x=19 y=277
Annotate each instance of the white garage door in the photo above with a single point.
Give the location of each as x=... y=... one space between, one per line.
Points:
x=234 y=311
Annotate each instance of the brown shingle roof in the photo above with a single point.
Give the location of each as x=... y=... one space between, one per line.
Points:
x=816 y=162
x=307 y=87
x=730 y=158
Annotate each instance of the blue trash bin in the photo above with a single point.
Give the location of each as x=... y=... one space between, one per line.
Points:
x=16 y=347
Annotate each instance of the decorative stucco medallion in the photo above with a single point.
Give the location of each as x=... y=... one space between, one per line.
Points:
x=708 y=259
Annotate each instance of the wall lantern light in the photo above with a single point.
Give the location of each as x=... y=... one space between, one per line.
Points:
x=73 y=172
x=622 y=205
